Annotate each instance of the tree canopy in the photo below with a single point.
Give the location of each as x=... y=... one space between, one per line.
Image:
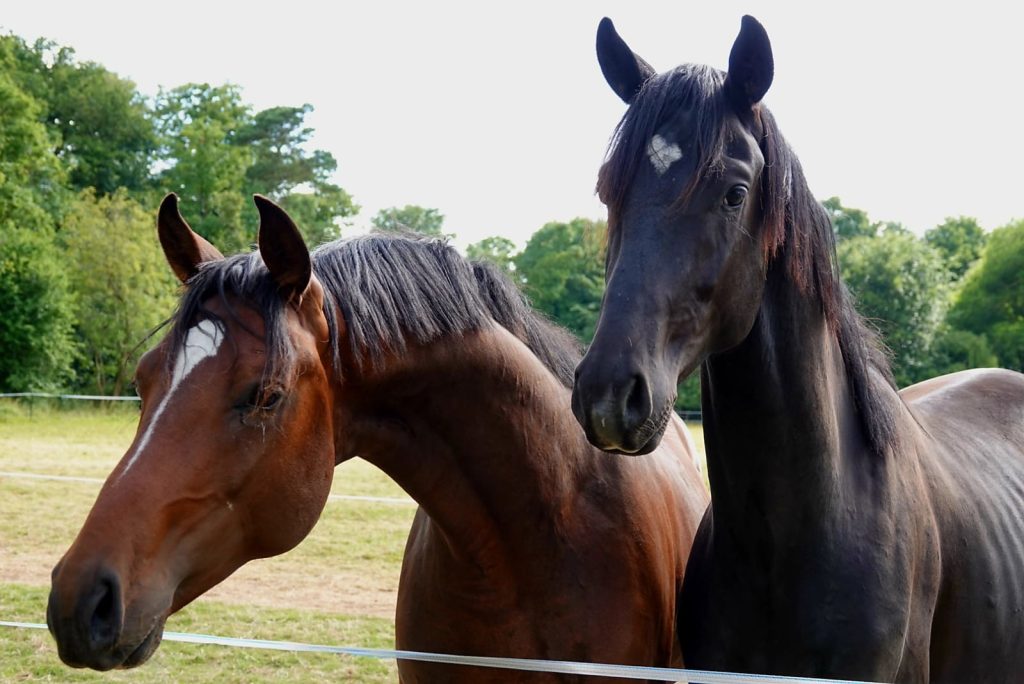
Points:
x=562 y=271
x=410 y=219
x=991 y=301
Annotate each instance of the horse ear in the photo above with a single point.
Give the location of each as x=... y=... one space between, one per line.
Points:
x=183 y=247
x=282 y=248
x=751 y=65
x=624 y=71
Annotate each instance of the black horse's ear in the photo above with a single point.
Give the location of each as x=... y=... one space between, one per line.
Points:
x=183 y=247
x=282 y=248
x=751 y=65
x=625 y=72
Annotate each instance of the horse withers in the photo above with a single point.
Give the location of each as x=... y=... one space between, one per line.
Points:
x=855 y=531
x=528 y=542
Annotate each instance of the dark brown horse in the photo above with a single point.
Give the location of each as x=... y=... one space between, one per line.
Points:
x=528 y=541
x=855 y=531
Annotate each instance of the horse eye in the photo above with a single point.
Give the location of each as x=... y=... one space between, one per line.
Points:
x=734 y=198
x=262 y=401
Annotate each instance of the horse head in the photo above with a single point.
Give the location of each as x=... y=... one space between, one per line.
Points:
x=234 y=453
x=689 y=235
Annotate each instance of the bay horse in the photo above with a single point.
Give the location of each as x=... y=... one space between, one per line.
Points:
x=854 y=531
x=527 y=542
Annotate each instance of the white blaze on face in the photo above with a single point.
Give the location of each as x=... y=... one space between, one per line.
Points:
x=201 y=342
x=663 y=154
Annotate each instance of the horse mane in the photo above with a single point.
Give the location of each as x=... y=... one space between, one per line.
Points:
x=395 y=289
x=797 y=233
x=392 y=291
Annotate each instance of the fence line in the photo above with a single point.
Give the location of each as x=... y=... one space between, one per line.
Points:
x=693 y=416
x=663 y=674
x=50 y=395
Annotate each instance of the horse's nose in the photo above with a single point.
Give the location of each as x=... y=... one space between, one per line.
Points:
x=613 y=414
x=87 y=626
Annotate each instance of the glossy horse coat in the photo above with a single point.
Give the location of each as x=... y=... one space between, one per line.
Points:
x=855 y=531
x=280 y=364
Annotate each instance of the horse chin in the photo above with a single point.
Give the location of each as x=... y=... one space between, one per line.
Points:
x=146 y=648
x=648 y=436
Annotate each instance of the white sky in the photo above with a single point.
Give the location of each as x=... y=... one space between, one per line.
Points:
x=497 y=114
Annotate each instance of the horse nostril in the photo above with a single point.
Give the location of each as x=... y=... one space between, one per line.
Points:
x=104 y=616
x=638 y=404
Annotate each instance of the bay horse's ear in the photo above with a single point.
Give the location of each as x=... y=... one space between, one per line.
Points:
x=625 y=72
x=283 y=249
x=751 y=65
x=184 y=248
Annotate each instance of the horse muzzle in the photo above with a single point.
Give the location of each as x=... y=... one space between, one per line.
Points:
x=619 y=414
x=87 y=618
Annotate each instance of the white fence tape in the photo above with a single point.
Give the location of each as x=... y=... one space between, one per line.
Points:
x=48 y=395
x=660 y=674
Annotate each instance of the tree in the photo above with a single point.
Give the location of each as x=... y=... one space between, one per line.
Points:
x=35 y=306
x=991 y=300
x=497 y=250
x=31 y=177
x=35 y=311
x=410 y=218
x=102 y=127
x=847 y=222
x=562 y=271
x=198 y=124
x=123 y=286
x=319 y=214
x=955 y=350
x=299 y=180
x=960 y=241
x=900 y=284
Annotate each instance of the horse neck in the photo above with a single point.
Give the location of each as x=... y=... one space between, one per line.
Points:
x=780 y=424
x=479 y=433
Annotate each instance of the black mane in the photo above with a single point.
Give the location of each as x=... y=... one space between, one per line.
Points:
x=796 y=231
x=392 y=291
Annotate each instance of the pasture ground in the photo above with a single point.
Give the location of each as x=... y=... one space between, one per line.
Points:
x=337 y=587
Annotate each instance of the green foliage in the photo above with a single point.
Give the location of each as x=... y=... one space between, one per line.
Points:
x=499 y=251
x=198 y=124
x=31 y=178
x=960 y=241
x=900 y=284
x=688 y=393
x=991 y=301
x=410 y=218
x=101 y=127
x=123 y=285
x=283 y=170
x=35 y=306
x=35 y=311
x=317 y=213
x=849 y=223
x=220 y=153
x=562 y=271
x=955 y=350
x=75 y=139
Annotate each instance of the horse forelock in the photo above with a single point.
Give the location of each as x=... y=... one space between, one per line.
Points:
x=242 y=279
x=693 y=87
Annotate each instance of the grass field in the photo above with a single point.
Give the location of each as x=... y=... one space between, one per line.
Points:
x=337 y=587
